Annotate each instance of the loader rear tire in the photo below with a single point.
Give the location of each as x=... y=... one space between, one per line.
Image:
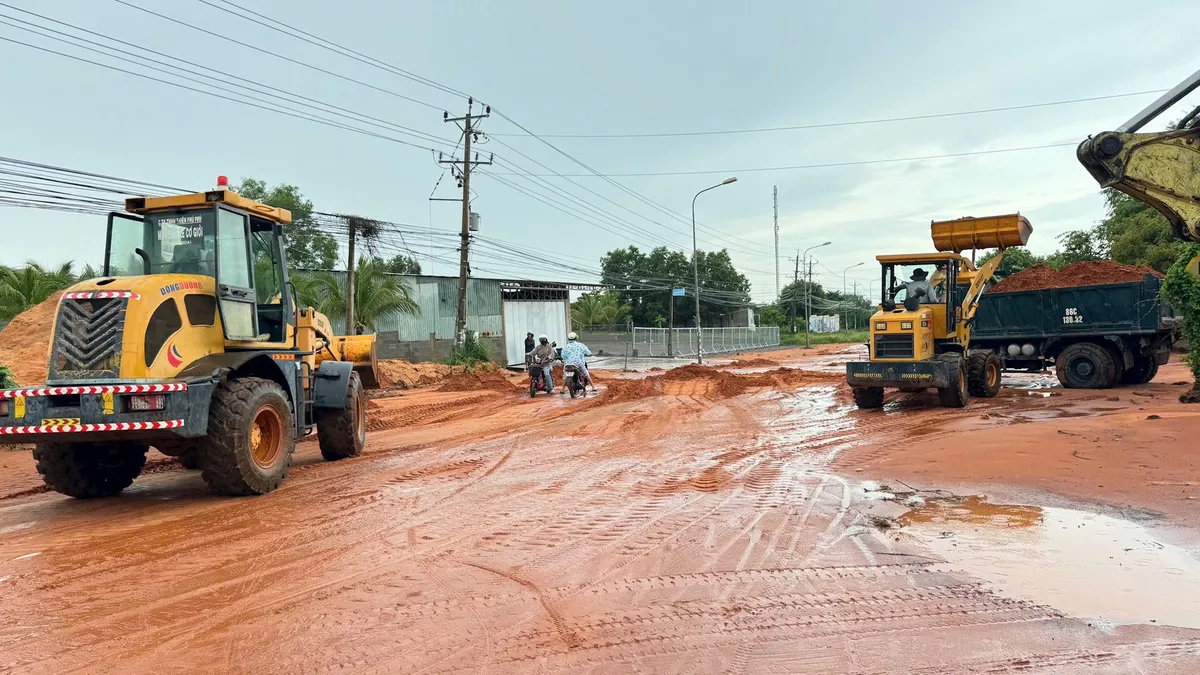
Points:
x=868 y=398
x=251 y=437
x=983 y=373
x=1084 y=365
x=343 y=433
x=89 y=470
x=955 y=396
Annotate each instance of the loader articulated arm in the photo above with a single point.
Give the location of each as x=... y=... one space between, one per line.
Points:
x=1161 y=169
x=970 y=301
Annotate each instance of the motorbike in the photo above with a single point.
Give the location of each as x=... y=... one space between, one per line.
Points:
x=537 y=379
x=575 y=383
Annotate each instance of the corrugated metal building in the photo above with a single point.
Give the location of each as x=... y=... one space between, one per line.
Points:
x=538 y=306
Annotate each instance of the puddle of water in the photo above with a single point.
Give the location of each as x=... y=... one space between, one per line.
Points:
x=973 y=511
x=1031 y=381
x=1084 y=564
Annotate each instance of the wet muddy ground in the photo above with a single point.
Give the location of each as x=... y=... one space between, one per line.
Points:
x=737 y=519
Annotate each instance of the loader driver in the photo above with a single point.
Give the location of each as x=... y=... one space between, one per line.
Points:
x=913 y=288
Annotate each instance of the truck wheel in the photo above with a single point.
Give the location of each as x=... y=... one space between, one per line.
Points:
x=955 y=396
x=190 y=460
x=86 y=470
x=868 y=398
x=1144 y=369
x=342 y=433
x=251 y=436
x=983 y=373
x=1084 y=365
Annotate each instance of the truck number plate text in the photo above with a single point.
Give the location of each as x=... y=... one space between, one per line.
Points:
x=1072 y=315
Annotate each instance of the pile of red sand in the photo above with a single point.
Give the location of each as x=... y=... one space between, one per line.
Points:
x=479 y=381
x=1093 y=273
x=724 y=384
x=757 y=362
x=25 y=342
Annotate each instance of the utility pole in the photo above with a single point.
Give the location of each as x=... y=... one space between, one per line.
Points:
x=795 y=278
x=808 y=305
x=671 y=322
x=463 y=167
x=776 y=200
x=854 y=306
x=351 y=328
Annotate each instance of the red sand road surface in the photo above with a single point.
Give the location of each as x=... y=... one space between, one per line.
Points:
x=689 y=523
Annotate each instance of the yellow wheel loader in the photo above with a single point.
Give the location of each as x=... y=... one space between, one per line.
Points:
x=192 y=342
x=919 y=337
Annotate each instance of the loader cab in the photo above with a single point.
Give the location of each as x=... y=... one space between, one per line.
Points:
x=918 y=312
x=218 y=234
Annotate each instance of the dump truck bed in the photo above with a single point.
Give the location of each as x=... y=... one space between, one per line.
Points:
x=1105 y=309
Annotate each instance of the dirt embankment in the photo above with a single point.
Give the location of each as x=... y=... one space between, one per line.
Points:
x=401 y=374
x=710 y=383
x=1040 y=277
x=25 y=342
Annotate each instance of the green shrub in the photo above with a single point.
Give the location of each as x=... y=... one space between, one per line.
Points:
x=797 y=338
x=1182 y=289
x=471 y=352
x=6 y=378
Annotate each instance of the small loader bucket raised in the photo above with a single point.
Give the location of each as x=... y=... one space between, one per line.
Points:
x=980 y=233
x=359 y=350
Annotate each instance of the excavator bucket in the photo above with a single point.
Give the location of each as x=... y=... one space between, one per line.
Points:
x=979 y=233
x=359 y=350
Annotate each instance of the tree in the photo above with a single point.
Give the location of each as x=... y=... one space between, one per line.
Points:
x=376 y=294
x=307 y=246
x=644 y=282
x=598 y=309
x=1015 y=260
x=22 y=288
x=1181 y=288
x=402 y=264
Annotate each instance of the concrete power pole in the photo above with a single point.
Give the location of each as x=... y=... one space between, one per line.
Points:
x=463 y=166
x=808 y=305
x=350 y=325
x=776 y=201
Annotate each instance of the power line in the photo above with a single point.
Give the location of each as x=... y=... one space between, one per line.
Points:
x=827 y=165
x=828 y=125
x=279 y=56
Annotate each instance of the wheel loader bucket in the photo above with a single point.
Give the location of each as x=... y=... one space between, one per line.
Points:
x=979 y=233
x=359 y=350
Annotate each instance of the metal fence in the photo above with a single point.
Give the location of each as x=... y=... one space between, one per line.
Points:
x=669 y=342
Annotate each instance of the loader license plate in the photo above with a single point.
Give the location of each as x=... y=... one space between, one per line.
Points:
x=150 y=402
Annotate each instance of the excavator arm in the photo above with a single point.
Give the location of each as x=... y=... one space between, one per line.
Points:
x=1161 y=169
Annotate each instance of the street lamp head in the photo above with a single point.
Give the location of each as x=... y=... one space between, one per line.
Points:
x=827 y=243
x=727 y=181
x=857 y=265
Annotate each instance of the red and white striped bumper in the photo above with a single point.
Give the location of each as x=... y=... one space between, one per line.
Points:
x=95 y=389
x=86 y=428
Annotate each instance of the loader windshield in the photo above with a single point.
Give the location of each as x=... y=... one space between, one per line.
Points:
x=925 y=280
x=173 y=243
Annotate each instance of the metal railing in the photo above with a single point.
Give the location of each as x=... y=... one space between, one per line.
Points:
x=682 y=341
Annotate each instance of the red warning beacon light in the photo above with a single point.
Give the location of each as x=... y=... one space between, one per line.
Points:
x=222 y=182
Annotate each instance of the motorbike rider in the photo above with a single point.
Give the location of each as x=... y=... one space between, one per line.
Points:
x=574 y=353
x=544 y=356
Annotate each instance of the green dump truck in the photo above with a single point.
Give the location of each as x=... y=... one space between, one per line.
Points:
x=1095 y=336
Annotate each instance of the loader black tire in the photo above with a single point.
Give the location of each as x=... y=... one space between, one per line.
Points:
x=1084 y=365
x=89 y=470
x=868 y=398
x=1144 y=369
x=983 y=373
x=343 y=433
x=251 y=437
x=956 y=395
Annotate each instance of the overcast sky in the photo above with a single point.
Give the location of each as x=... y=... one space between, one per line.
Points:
x=620 y=67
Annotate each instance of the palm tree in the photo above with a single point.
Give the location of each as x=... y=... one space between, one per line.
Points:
x=88 y=272
x=598 y=309
x=376 y=294
x=22 y=288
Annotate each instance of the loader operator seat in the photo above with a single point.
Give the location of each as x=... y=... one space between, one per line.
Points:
x=187 y=259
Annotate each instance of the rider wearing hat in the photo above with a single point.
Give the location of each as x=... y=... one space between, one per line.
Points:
x=544 y=355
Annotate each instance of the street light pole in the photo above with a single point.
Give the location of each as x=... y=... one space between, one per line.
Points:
x=847 y=312
x=696 y=268
x=807 y=290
